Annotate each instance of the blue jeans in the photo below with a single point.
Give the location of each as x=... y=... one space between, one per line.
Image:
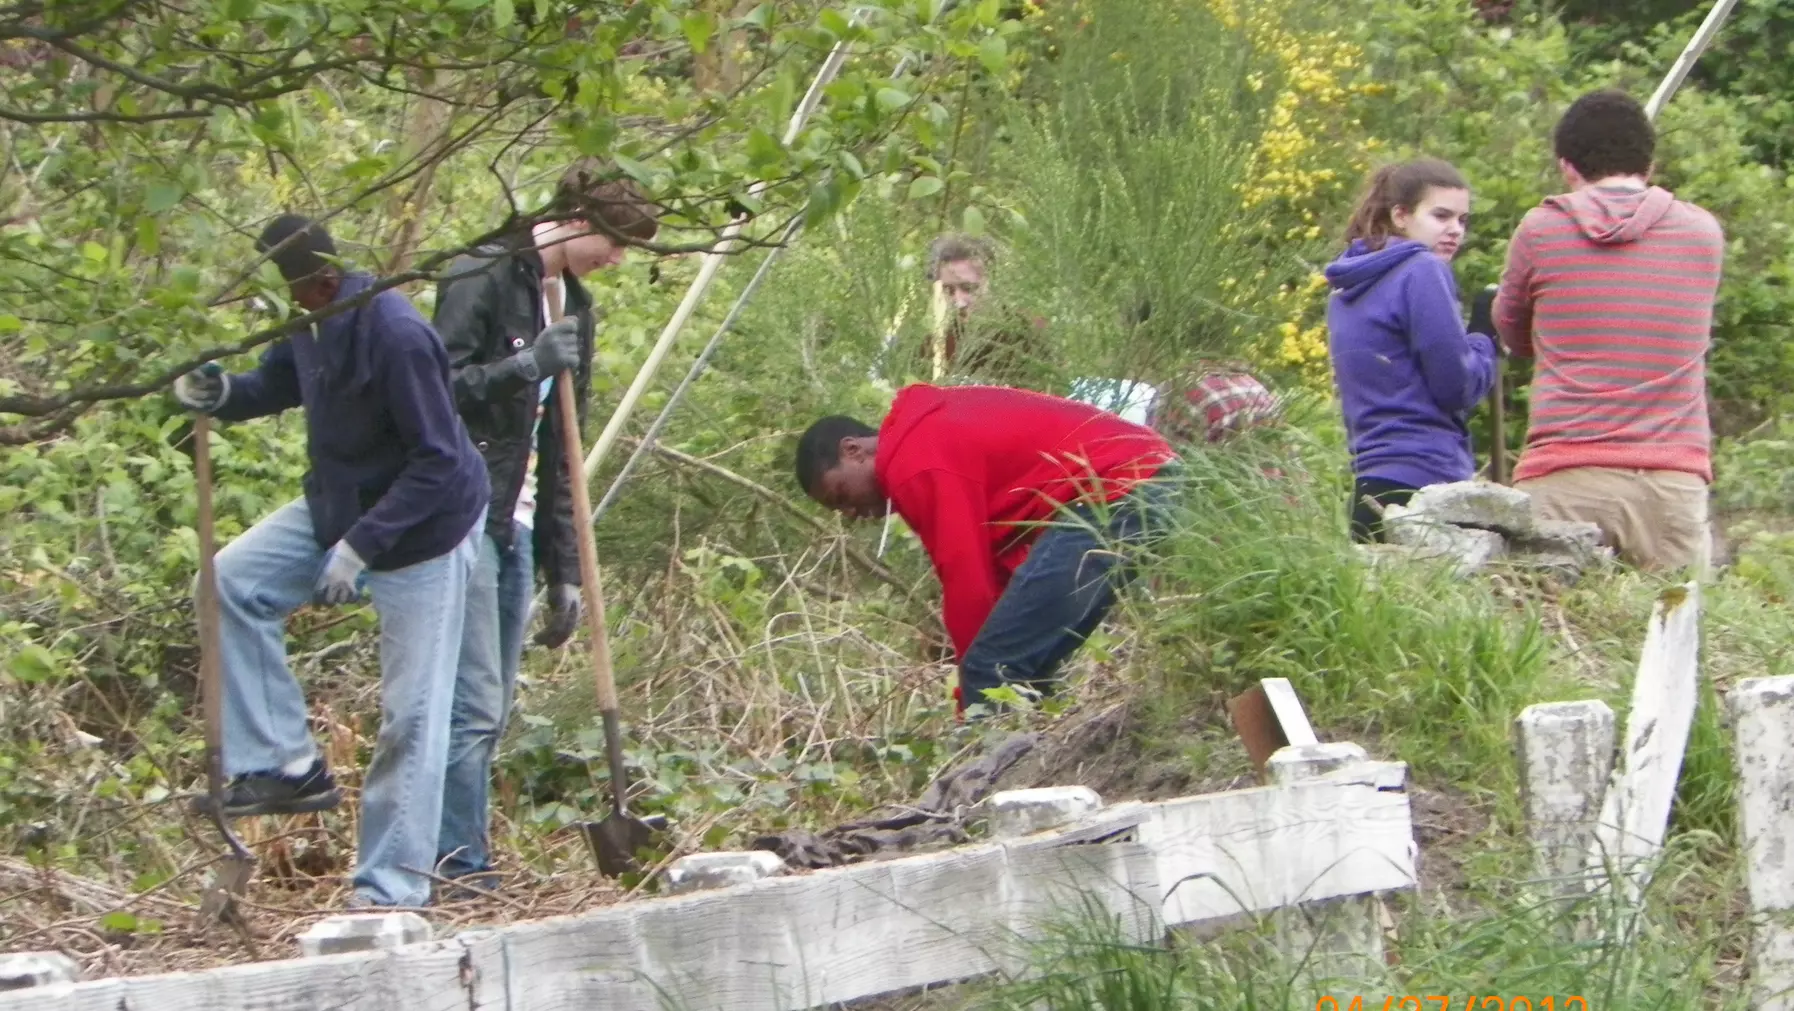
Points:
x=1062 y=591
x=265 y=575
x=498 y=612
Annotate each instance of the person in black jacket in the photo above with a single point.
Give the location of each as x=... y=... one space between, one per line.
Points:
x=396 y=498
x=492 y=310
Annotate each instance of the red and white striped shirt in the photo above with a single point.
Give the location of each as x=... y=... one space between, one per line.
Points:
x=1611 y=288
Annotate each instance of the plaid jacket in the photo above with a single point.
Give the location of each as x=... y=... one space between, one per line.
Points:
x=1220 y=403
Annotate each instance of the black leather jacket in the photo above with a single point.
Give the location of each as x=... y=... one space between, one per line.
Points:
x=488 y=308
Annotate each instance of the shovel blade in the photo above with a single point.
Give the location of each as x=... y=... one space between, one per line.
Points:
x=230 y=878
x=615 y=840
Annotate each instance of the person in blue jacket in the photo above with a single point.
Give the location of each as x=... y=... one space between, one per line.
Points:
x=1407 y=371
x=395 y=499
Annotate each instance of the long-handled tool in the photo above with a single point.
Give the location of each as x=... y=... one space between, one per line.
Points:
x=1498 y=421
x=615 y=840
x=232 y=874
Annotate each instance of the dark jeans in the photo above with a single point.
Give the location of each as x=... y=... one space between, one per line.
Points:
x=1061 y=592
x=1367 y=525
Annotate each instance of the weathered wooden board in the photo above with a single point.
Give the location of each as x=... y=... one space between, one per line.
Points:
x=829 y=936
x=1256 y=850
x=1635 y=810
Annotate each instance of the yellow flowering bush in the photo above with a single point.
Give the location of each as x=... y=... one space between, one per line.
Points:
x=1302 y=169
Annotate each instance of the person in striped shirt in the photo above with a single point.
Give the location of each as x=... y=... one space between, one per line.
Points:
x=1609 y=288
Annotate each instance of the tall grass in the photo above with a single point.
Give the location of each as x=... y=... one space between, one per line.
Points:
x=1609 y=955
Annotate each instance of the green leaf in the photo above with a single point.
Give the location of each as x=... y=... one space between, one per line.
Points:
x=240 y=10
x=698 y=28
x=892 y=99
x=119 y=920
x=33 y=664
x=834 y=22
x=973 y=221
x=760 y=17
x=10 y=323
x=762 y=149
x=162 y=195
x=148 y=238
x=825 y=200
x=988 y=11
x=927 y=10
x=925 y=186
x=636 y=170
x=93 y=251
x=503 y=13
x=994 y=54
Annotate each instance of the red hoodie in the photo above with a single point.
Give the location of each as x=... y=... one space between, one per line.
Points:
x=974 y=470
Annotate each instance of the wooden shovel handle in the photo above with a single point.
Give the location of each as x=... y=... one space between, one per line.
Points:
x=206 y=603
x=582 y=521
x=1498 y=423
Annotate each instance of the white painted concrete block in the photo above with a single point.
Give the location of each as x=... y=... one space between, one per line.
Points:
x=28 y=969
x=1476 y=504
x=1025 y=812
x=700 y=871
x=363 y=932
x=1335 y=945
x=1298 y=763
x=1566 y=755
x=1762 y=710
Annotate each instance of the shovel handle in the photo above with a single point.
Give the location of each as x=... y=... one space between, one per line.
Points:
x=206 y=601
x=1498 y=423
x=582 y=526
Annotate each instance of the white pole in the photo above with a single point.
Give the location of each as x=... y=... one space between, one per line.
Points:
x=1761 y=709
x=1678 y=72
x=713 y=260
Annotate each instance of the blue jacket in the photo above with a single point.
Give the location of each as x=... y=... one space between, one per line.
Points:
x=392 y=469
x=1407 y=373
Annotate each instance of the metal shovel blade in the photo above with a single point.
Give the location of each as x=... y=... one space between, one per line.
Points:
x=229 y=879
x=615 y=841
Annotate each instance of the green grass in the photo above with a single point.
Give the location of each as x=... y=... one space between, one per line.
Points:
x=1523 y=946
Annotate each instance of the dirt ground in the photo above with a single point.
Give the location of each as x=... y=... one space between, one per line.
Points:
x=1106 y=745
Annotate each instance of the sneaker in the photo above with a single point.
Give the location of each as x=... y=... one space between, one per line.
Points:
x=272 y=793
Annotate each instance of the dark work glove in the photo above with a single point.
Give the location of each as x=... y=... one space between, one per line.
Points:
x=1482 y=314
x=204 y=389
x=342 y=567
x=565 y=605
x=556 y=350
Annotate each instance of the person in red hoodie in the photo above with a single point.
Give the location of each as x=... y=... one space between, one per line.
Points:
x=1020 y=499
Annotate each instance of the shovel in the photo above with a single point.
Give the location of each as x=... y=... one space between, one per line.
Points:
x=615 y=840
x=231 y=876
x=1498 y=422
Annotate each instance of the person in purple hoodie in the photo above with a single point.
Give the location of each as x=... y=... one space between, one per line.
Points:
x=1407 y=371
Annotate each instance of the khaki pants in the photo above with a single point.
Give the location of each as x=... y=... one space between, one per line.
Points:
x=1654 y=519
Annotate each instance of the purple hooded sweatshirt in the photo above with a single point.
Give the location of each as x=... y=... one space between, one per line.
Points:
x=1408 y=375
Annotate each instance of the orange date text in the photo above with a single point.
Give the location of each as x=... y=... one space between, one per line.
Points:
x=1451 y=1002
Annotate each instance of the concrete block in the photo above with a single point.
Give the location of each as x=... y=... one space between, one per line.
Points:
x=1467 y=549
x=701 y=871
x=26 y=970
x=1477 y=504
x=1300 y=763
x=1762 y=710
x=363 y=932
x=1025 y=812
x=1565 y=751
x=1563 y=547
x=1334 y=945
